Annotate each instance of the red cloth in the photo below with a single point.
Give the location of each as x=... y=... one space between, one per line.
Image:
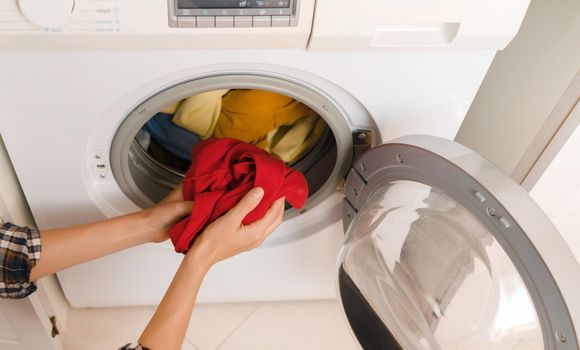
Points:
x=222 y=171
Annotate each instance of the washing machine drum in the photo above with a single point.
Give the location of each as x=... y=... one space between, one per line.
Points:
x=439 y=254
x=150 y=154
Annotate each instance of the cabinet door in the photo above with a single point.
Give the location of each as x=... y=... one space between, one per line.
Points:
x=24 y=325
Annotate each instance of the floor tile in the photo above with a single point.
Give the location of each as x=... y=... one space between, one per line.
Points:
x=187 y=345
x=105 y=328
x=6 y=331
x=286 y=325
x=293 y=325
x=212 y=324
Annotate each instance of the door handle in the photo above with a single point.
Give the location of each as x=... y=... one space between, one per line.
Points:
x=410 y=35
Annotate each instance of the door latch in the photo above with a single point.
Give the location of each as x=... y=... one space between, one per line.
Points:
x=362 y=141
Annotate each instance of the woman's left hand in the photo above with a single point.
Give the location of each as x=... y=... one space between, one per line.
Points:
x=66 y=247
x=165 y=214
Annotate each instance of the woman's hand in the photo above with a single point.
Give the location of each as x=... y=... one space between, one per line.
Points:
x=227 y=236
x=62 y=248
x=222 y=239
x=159 y=219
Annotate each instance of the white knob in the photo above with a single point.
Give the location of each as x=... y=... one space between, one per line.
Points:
x=47 y=13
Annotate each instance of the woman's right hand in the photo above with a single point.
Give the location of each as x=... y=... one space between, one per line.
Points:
x=227 y=236
x=223 y=238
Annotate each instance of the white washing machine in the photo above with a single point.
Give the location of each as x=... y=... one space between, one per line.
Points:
x=81 y=78
x=442 y=250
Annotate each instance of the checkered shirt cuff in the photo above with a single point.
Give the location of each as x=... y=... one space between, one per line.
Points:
x=19 y=253
x=134 y=346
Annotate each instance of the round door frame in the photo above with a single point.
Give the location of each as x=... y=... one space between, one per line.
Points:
x=323 y=106
x=111 y=201
x=548 y=268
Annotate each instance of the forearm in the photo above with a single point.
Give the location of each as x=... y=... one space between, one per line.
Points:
x=62 y=248
x=167 y=328
x=223 y=238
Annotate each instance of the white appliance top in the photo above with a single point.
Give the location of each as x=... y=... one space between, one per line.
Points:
x=316 y=25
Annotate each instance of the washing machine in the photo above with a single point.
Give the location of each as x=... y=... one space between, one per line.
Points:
x=427 y=244
x=438 y=241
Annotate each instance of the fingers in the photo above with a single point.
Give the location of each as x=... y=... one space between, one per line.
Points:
x=273 y=225
x=277 y=219
x=174 y=209
x=165 y=215
x=226 y=237
x=174 y=196
x=183 y=208
x=266 y=225
x=246 y=204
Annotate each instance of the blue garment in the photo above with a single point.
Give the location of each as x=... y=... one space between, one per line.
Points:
x=171 y=137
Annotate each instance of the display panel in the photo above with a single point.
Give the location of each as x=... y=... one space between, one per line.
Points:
x=232 y=4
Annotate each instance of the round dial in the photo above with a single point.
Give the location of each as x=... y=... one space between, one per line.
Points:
x=47 y=13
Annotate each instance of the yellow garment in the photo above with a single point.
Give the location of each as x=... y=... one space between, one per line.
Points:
x=200 y=113
x=292 y=142
x=249 y=115
x=171 y=108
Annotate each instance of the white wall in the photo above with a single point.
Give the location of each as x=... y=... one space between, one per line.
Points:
x=558 y=192
x=524 y=83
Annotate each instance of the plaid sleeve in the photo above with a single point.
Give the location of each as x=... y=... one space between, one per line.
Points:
x=134 y=346
x=19 y=253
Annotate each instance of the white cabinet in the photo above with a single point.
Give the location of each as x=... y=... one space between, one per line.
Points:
x=27 y=324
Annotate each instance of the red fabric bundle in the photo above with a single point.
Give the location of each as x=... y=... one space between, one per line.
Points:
x=222 y=171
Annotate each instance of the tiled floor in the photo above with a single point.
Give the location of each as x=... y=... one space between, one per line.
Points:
x=286 y=325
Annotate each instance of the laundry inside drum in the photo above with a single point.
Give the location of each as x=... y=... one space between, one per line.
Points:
x=289 y=130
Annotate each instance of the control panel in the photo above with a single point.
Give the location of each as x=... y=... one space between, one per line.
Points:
x=258 y=24
x=232 y=13
x=59 y=16
x=155 y=24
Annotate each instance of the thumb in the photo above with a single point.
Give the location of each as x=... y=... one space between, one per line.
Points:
x=174 y=196
x=247 y=204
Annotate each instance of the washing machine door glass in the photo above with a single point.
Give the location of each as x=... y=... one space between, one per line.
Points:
x=436 y=254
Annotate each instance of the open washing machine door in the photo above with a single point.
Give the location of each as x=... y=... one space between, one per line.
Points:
x=444 y=251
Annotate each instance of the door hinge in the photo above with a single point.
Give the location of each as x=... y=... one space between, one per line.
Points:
x=362 y=141
x=54 y=328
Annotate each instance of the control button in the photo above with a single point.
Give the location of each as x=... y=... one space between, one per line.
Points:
x=205 y=22
x=262 y=21
x=186 y=22
x=243 y=21
x=280 y=21
x=173 y=22
x=224 y=21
